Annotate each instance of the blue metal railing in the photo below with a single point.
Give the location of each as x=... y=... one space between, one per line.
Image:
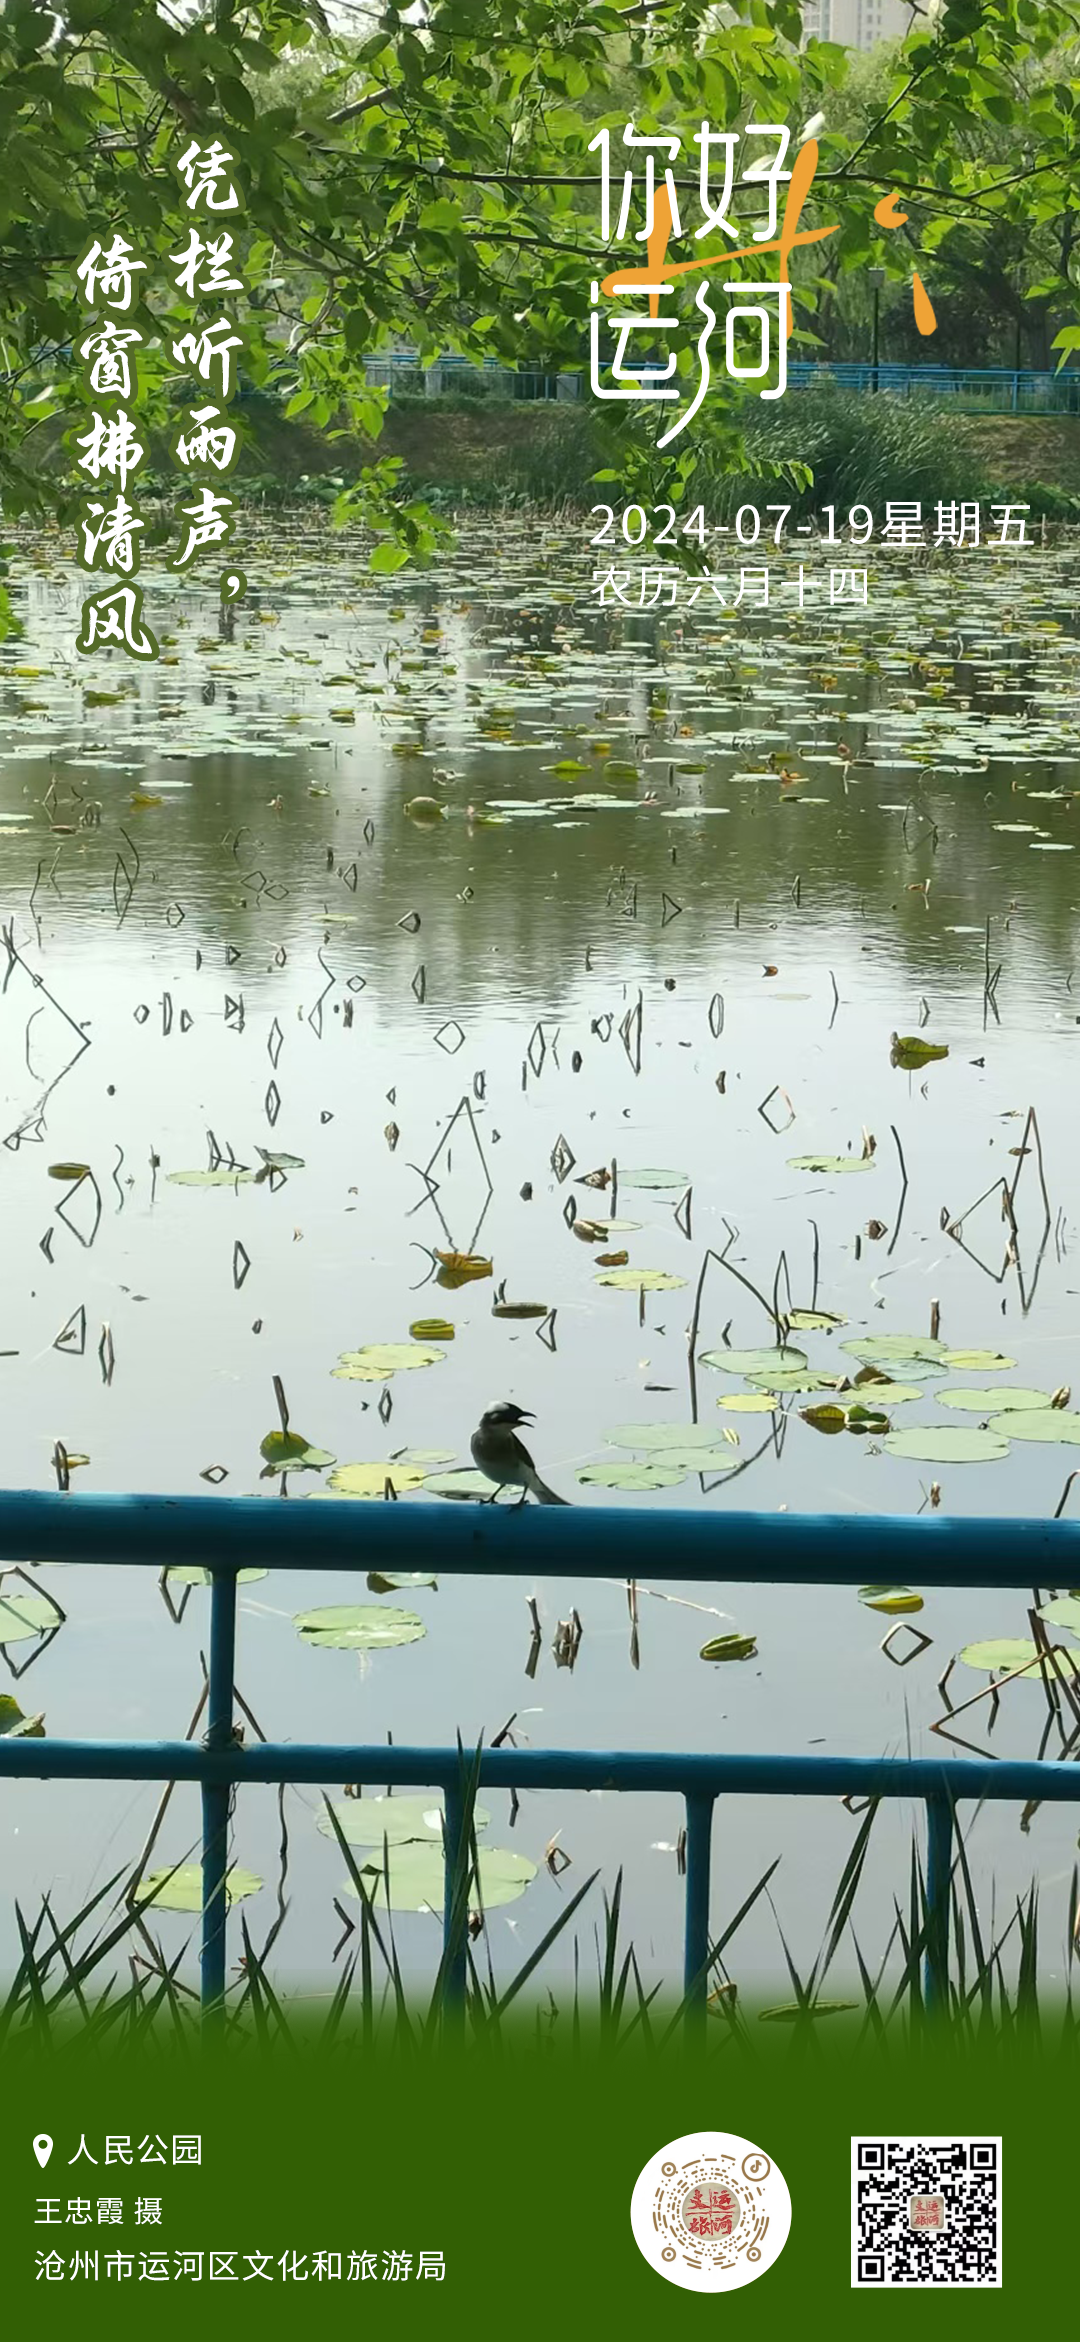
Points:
x=1025 y=390
x=228 y=1534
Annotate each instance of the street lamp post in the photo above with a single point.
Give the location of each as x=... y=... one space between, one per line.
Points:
x=877 y=279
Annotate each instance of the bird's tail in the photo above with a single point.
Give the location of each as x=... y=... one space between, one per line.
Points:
x=544 y=1494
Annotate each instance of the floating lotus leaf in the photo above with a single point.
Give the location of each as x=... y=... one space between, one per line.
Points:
x=830 y=1162
x=752 y=1362
x=749 y=1403
x=729 y=1647
x=1058 y=1425
x=275 y=1160
x=1064 y=1612
x=69 y=1171
x=14 y=1725
x=185 y=1573
x=371 y=1479
x=463 y=1485
x=641 y=1280
x=876 y=1395
x=790 y=1378
x=432 y=1329
x=638 y=1477
x=399 y=1821
x=354 y=1626
x=1000 y=1657
x=416 y=1879
x=654 y=1179
x=811 y=1321
x=911 y=1052
x=521 y=1308
x=289 y=1451
x=395 y=1581
x=964 y=1445
x=460 y=1268
x=377 y=1361
x=24 y=1615
x=977 y=1361
x=825 y=1417
x=879 y=1349
x=893 y=1600
x=182 y=1889
x=987 y=1400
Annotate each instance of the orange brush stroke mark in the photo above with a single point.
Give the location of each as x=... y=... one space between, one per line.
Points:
x=924 y=307
x=886 y=213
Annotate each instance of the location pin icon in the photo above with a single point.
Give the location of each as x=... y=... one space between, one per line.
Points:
x=43 y=2148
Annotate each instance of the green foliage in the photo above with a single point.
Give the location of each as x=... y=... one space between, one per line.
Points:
x=431 y=183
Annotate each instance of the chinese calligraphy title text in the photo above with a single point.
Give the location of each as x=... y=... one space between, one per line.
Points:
x=647 y=378
x=110 y=452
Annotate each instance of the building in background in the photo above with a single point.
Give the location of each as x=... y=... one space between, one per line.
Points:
x=857 y=24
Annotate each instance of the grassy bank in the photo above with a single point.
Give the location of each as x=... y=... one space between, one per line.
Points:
x=464 y=452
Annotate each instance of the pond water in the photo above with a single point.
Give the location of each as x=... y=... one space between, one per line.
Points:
x=632 y=939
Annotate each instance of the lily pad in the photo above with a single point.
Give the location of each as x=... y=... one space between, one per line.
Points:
x=397 y=1821
x=432 y=1329
x=654 y=1179
x=182 y=1889
x=377 y=1361
x=987 y=1400
x=791 y=1378
x=879 y=1349
x=289 y=1451
x=965 y=1445
x=882 y=1394
x=24 y=1615
x=14 y=1725
x=1001 y=1656
x=977 y=1361
x=396 y=1581
x=1058 y=1425
x=812 y=1321
x=354 y=1626
x=752 y=1362
x=911 y=1052
x=732 y=1646
x=371 y=1479
x=189 y=1573
x=893 y=1600
x=416 y=1879
x=463 y=1485
x=641 y=1280
x=825 y=1417
x=1064 y=1612
x=638 y=1477
x=749 y=1403
x=829 y=1163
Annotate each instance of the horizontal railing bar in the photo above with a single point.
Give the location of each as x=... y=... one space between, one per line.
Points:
x=241 y=1532
x=751 y=1775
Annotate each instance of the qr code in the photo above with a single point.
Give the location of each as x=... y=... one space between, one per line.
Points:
x=925 y=2212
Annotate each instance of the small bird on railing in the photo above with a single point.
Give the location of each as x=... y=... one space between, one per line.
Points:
x=501 y=1456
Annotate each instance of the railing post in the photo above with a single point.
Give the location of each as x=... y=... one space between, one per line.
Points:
x=216 y=1796
x=699 y=1813
x=939 y=1836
